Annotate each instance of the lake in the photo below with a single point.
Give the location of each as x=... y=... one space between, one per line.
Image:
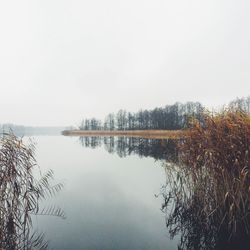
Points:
x=109 y=195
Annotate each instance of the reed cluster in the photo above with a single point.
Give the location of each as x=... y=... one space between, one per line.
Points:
x=20 y=193
x=210 y=193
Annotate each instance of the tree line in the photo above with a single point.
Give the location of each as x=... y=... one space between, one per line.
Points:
x=242 y=104
x=21 y=130
x=170 y=117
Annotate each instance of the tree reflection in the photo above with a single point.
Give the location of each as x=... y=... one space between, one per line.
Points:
x=90 y=142
x=125 y=146
x=192 y=212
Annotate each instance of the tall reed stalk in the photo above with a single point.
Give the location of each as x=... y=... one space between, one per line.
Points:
x=20 y=193
x=210 y=190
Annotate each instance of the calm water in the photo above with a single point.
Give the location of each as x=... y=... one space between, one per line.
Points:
x=109 y=198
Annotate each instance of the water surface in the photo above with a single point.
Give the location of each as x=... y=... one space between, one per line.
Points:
x=109 y=200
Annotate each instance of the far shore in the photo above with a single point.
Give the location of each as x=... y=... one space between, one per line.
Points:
x=147 y=134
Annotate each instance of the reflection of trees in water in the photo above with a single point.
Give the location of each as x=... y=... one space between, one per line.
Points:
x=109 y=144
x=20 y=194
x=189 y=207
x=124 y=146
x=189 y=202
x=90 y=142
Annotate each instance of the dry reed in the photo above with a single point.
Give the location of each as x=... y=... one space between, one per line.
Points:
x=20 y=194
x=210 y=193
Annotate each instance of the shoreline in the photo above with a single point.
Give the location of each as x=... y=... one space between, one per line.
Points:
x=146 y=134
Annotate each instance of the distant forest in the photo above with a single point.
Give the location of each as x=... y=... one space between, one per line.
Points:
x=170 y=117
x=28 y=130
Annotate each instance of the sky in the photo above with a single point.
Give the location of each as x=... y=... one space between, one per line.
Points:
x=61 y=61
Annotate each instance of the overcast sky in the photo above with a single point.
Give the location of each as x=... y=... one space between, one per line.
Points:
x=63 y=60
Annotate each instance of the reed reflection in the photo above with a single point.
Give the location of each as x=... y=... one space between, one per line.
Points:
x=188 y=204
x=125 y=146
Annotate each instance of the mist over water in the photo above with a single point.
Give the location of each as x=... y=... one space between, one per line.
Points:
x=125 y=66
x=109 y=200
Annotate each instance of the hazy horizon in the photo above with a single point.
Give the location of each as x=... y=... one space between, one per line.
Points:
x=76 y=124
x=63 y=60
